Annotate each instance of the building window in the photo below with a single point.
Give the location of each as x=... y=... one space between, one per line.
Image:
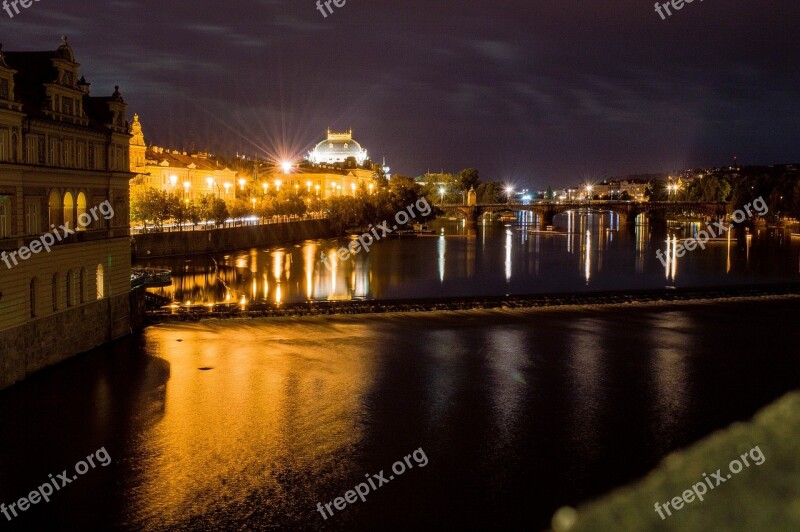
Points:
x=4 y=145
x=91 y=156
x=55 y=292
x=101 y=291
x=69 y=211
x=5 y=217
x=33 y=220
x=32 y=297
x=81 y=211
x=66 y=104
x=4 y=92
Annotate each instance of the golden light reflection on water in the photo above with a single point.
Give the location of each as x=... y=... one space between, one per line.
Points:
x=276 y=404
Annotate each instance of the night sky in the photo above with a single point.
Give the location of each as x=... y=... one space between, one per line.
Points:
x=532 y=92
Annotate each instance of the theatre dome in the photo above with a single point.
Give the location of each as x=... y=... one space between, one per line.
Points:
x=337 y=148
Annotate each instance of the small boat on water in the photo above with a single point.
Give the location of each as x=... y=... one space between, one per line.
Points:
x=151 y=277
x=418 y=230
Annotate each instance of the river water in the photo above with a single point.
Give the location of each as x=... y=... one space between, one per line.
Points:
x=592 y=252
x=248 y=424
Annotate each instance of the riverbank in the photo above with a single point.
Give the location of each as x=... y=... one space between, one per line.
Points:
x=156 y=245
x=539 y=301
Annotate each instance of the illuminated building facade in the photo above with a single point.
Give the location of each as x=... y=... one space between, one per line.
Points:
x=63 y=153
x=338 y=148
x=188 y=176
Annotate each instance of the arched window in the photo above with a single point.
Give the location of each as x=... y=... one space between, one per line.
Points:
x=70 y=288
x=101 y=291
x=69 y=210
x=55 y=208
x=32 y=297
x=55 y=292
x=83 y=221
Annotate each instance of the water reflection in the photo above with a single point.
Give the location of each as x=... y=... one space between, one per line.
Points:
x=588 y=251
x=294 y=404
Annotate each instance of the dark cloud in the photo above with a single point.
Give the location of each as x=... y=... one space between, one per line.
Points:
x=536 y=91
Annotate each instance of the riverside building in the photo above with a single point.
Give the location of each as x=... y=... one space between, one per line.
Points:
x=63 y=152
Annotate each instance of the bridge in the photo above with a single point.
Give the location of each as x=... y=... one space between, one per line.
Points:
x=628 y=211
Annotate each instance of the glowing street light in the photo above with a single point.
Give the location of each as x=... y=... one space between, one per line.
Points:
x=371 y=186
x=242 y=183
x=278 y=184
x=286 y=167
x=441 y=195
x=227 y=188
x=509 y=192
x=308 y=186
x=186 y=186
x=589 y=189
x=265 y=186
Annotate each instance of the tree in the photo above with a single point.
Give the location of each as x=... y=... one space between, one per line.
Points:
x=219 y=211
x=490 y=193
x=468 y=178
x=657 y=190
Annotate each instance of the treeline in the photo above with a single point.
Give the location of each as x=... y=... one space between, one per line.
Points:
x=778 y=185
x=453 y=188
x=155 y=207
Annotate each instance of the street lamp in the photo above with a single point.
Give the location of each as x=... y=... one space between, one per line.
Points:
x=441 y=195
x=265 y=186
x=509 y=191
x=186 y=186
x=286 y=167
x=242 y=183
x=278 y=184
x=227 y=188
x=589 y=189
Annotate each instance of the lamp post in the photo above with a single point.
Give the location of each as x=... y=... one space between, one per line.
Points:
x=509 y=191
x=227 y=189
x=441 y=195
x=278 y=184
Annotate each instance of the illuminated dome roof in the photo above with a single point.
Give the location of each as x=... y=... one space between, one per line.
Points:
x=337 y=148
